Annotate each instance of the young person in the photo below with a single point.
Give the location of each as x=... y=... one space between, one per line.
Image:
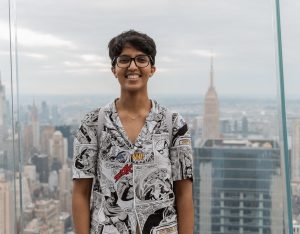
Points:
x=133 y=156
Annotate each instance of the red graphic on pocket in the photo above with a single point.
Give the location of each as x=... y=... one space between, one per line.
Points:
x=124 y=171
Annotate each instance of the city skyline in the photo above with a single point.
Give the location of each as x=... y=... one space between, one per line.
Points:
x=47 y=133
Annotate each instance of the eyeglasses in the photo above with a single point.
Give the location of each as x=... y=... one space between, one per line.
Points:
x=140 y=61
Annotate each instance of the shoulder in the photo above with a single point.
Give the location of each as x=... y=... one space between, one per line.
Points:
x=91 y=117
x=174 y=116
x=160 y=109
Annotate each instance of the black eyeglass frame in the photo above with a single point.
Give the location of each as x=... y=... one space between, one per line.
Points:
x=114 y=61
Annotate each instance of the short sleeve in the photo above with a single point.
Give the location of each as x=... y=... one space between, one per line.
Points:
x=181 y=153
x=85 y=149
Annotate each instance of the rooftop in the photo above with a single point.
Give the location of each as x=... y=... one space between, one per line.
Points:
x=240 y=143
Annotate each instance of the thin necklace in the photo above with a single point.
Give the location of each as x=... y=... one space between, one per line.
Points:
x=131 y=117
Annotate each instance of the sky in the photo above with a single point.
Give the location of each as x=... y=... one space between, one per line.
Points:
x=62 y=45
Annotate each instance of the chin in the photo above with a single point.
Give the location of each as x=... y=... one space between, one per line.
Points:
x=134 y=88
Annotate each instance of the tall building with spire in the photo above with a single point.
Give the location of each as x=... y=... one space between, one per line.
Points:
x=211 y=128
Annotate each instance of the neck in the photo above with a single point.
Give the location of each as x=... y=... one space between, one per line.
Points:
x=134 y=102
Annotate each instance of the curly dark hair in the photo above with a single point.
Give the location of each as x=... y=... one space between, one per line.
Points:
x=139 y=41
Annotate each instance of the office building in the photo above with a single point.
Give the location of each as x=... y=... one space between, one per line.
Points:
x=67 y=130
x=35 y=127
x=295 y=165
x=45 y=113
x=296 y=227
x=238 y=187
x=65 y=188
x=58 y=148
x=2 y=113
x=47 y=132
x=42 y=166
x=6 y=206
x=2 y=104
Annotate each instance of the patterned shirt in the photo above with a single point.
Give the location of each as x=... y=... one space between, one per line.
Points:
x=133 y=183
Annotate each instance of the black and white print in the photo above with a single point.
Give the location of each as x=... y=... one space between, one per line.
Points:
x=133 y=183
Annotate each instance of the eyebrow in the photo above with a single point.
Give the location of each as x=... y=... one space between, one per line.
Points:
x=130 y=56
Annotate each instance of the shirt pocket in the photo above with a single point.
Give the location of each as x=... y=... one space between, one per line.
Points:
x=160 y=146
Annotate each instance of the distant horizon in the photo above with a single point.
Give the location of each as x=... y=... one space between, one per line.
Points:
x=158 y=95
x=171 y=99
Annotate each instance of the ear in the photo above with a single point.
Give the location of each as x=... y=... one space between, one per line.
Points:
x=153 y=69
x=113 y=70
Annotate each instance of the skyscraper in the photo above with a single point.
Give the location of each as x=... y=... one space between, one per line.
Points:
x=46 y=134
x=2 y=112
x=41 y=163
x=6 y=207
x=66 y=130
x=58 y=147
x=296 y=151
x=45 y=113
x=211 y=125
x=238 y=187
x=2 y=103
x=245 y=127
x=35 y=127
x=64 y=178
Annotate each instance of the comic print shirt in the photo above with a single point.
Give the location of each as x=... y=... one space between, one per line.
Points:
x=133 y=183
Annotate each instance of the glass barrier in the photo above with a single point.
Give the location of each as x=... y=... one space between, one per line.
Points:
x=10 y=202
x=290 y=33
x=215 y=65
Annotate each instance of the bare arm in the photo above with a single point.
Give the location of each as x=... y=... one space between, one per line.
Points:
x=81 y=205
x=185 y=208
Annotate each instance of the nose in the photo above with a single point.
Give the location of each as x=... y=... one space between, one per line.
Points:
x=132 y=64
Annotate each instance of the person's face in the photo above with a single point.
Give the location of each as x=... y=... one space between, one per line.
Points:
x=133 y=78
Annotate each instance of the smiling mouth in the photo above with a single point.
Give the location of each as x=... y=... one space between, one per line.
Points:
x=133 y=76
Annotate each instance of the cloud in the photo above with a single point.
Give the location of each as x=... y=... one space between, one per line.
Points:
x=92 y=58
x=34 y=55
x=86 y=70
x=29 y=38
x=203 y=53
x=87 y=63
x=91 y=64
x=166 y=59
x=162 y=70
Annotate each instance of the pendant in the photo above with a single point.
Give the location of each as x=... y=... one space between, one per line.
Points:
x=138 y=156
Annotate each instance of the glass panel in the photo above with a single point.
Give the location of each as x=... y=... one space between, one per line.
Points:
x=291 y=49
x=215 y=65
x=9 y=173
x=240 y=182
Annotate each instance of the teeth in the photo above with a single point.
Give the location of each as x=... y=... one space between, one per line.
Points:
x=133 y=76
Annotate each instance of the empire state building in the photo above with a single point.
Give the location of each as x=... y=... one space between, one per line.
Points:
x=211 y=125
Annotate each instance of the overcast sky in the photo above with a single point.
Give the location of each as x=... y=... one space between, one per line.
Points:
x=63 y=45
